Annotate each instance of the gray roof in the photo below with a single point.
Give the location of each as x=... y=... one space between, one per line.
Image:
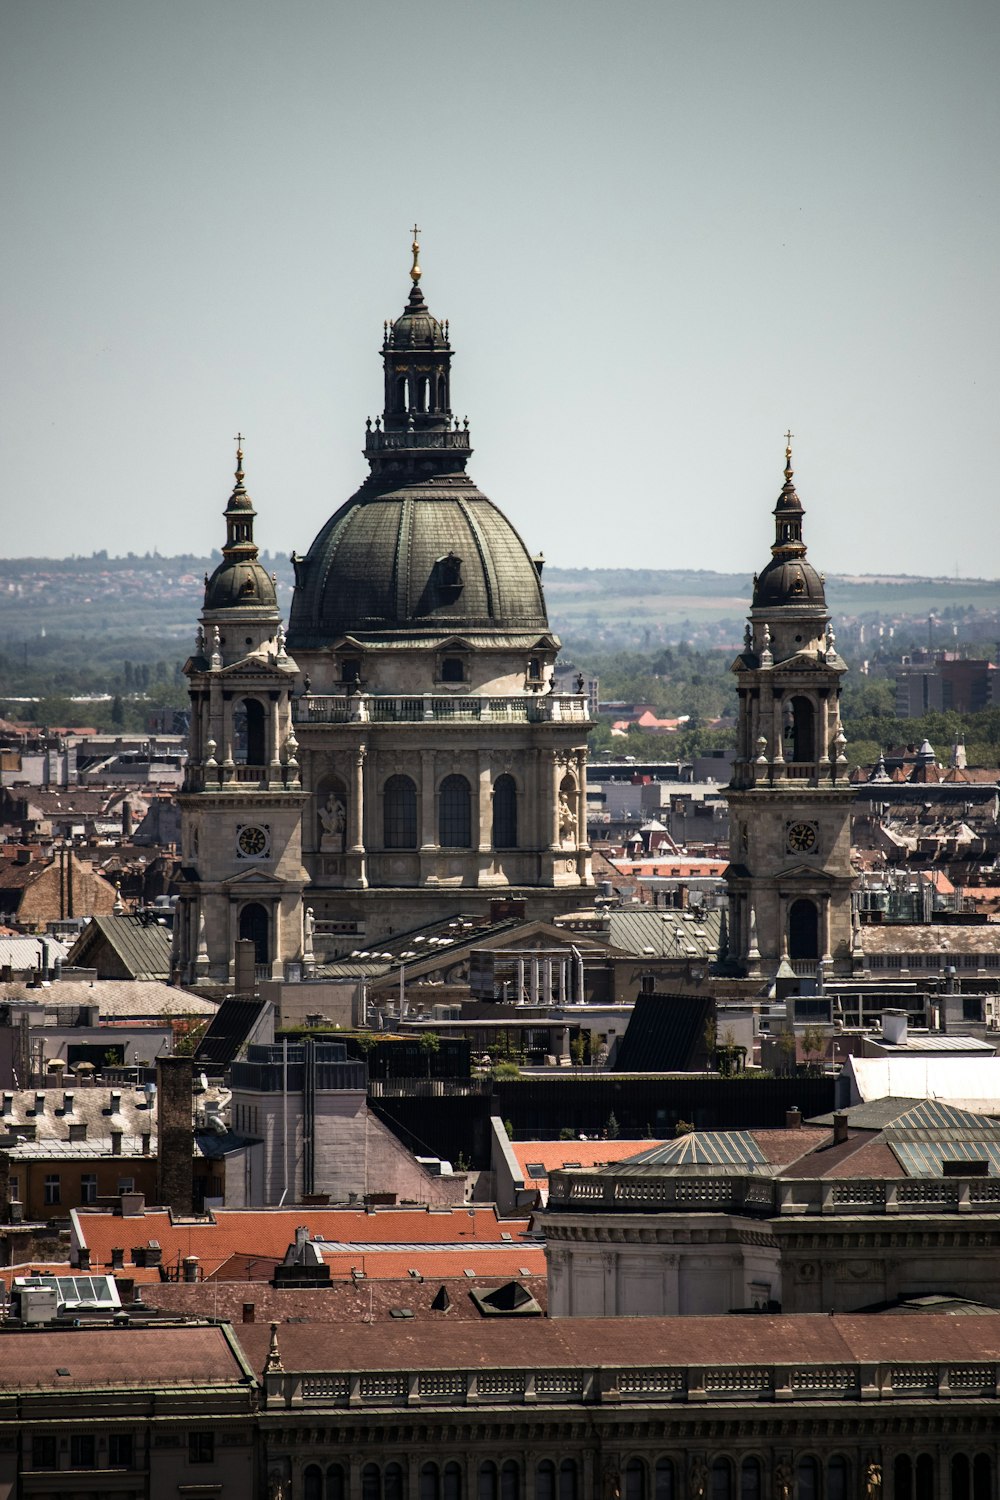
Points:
x=117 y=999
x=142 y=947
x=636 y=931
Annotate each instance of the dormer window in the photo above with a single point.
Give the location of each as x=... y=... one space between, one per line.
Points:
x=452 y=669
x=350 y=669
x=535 y=669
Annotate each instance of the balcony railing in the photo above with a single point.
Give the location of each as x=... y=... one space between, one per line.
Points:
x=707 y=1381
x=378 y=440
x=372 y=708
x=584 y=1192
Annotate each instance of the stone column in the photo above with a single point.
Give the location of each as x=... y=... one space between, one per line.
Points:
x=555 y=776
x=485 y=798
x=274 y=737
x=356 y=817
x=824 y=917
x=777 y=722
x=428 y=822
x=824 y=730
x=520 y=981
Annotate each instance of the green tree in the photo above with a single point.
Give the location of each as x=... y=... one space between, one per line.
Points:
x=430 y=1046
x=612 y=1129
x=813 y=1042
x=786 y=1046
x=578 y=1049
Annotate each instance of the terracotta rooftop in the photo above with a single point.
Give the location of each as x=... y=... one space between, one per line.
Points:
x=344 y=1302
x=547 y=1343
x=552 y=1155
x=267 y=1234
x=157 y=1355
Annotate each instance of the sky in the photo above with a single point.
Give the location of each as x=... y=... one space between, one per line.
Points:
x=662 y=233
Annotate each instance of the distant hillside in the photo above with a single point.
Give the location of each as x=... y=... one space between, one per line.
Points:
x=161 y=596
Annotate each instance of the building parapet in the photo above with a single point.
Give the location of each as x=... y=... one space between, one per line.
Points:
x=417 y=708
x=608 y=1191
x=571 y=1385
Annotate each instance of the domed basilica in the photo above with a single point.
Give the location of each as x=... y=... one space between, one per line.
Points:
x=401 y=755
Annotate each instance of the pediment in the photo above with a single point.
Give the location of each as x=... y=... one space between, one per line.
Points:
x=805 y=872
x=253 y=877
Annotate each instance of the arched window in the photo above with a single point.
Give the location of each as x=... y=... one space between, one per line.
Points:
x=902 y=1478
x=510 y=1481
x=751 y=1486
x=255 y=925
x=925 y=1489
x=249 y=733
x=721 y=1480
x=803 y=929
x=455 y=814
x=961 y=1488
x=392 y=1482
x=635 y=1479
x=487 y=1486
x=399 y=813
x=452 y=1482
x=336 y=1487
x=442 y=396
x=569 y=1481
x=505 y=813
x=312 y=1483
x=982 y=1477
x=430 y=1484
x=803 y=731
x=370 y=1487
x=545 y=1480
x=836 y=1479
x=664 y=1489
x=807 y=1480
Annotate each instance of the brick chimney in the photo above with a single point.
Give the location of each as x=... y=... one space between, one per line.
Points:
x=839 y=1129
x=175 y=1130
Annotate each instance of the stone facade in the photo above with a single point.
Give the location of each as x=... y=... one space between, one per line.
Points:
x=790 y=874
x=404 y=756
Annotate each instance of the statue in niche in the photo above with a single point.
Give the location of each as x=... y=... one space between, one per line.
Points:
x=873 y=1481
x=333 y=817
x=567 y=820
x=783 y=1482
x=698 y=1480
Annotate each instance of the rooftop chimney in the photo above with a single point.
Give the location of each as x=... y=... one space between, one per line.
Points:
x=118 y=1258
x=175 y=1130
x=894 y=1027
x=190 y=1268
x=793 y=1118
x=839 y=1129
x=83 y=1259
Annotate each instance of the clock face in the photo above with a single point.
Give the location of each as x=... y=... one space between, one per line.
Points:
x=252 y=842
x=801 y=837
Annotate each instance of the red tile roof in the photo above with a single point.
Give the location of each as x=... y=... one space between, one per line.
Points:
x=541 y=1342
x=153 y=1355
x=267 y=1233
x=555 y=1154
x=343 y=1302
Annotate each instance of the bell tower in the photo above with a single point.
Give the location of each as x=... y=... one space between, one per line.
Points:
x=790 y=875
x=241 y=803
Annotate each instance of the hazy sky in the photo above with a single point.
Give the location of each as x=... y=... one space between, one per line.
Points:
x=662 y=233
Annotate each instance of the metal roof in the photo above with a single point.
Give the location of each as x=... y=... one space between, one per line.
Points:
x=705 y=1148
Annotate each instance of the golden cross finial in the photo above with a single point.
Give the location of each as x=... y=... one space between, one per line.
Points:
x=415 y=272
x=238 y=440
x=788 y=442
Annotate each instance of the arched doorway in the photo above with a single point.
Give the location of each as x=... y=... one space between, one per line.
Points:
x=803 y=929
x=800 y=731
x=255 y=925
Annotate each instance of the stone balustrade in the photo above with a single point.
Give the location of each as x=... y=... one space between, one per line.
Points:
x=642 y=1385
x=418 y=708
x=737 y=1193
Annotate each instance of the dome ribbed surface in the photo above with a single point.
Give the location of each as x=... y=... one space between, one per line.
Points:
x=421 y=559
x=788 y=581
x=240 y=585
